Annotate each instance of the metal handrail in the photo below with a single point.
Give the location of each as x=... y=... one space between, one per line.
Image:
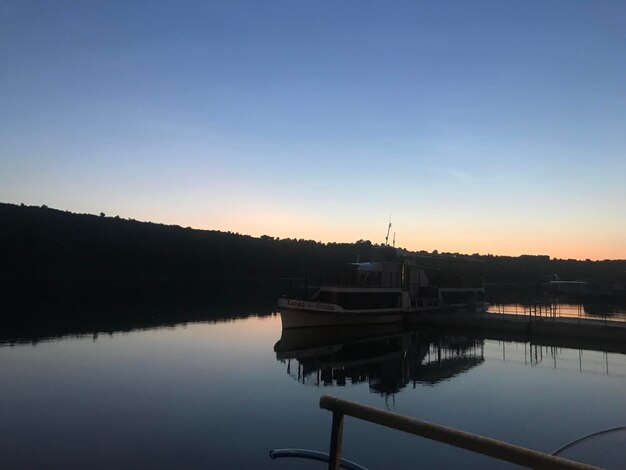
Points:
x=562 y=449
x=465 y=440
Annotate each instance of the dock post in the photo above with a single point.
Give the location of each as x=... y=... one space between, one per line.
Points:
x=336 y=441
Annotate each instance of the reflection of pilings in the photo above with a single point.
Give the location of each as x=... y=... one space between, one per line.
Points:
x=554 y=309
x=558 y=358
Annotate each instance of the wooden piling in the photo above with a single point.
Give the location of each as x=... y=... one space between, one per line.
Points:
x=336 y=441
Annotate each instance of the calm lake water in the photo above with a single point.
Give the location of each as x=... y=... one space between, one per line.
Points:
x=222 y=394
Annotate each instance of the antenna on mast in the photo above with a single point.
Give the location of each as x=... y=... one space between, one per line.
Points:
x=388 y=229
x=394 y=239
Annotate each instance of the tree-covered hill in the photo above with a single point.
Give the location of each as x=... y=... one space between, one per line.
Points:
x=41 y=245
x=44 y=243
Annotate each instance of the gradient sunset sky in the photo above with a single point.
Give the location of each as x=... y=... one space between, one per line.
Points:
x=492 y=127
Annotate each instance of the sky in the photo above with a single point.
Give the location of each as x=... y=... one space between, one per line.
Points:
x=478 y=127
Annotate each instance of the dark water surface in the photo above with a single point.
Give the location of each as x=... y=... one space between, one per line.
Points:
x=222 y=394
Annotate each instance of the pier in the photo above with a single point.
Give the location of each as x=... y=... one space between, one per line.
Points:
x=534 y=325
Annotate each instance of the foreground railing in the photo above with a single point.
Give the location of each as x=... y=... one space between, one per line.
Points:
x=465 y=440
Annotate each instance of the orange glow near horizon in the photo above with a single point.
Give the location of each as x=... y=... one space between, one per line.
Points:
x=451 y=234
x=504 y=244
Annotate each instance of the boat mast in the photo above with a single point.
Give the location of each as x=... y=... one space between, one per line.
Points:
x=388 y=229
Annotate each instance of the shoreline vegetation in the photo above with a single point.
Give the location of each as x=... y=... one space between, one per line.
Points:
x=51 y=244
x=94 y=269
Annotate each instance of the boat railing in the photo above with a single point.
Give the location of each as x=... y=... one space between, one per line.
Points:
x=473 y=442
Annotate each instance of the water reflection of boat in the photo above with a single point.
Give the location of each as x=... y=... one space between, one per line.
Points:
x=387 y=357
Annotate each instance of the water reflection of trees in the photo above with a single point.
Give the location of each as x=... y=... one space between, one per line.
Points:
x=109 y=310
x=387 y=362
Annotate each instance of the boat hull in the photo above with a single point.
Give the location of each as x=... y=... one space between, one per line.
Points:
x=294 y=318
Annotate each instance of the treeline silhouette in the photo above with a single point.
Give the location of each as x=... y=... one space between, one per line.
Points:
x=39 y=246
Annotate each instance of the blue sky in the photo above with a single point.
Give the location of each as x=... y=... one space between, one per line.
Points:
x=479 y=126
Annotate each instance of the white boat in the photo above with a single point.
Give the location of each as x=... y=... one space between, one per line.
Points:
x=379 y=292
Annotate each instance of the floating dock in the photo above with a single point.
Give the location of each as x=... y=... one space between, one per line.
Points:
x=602 y=335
